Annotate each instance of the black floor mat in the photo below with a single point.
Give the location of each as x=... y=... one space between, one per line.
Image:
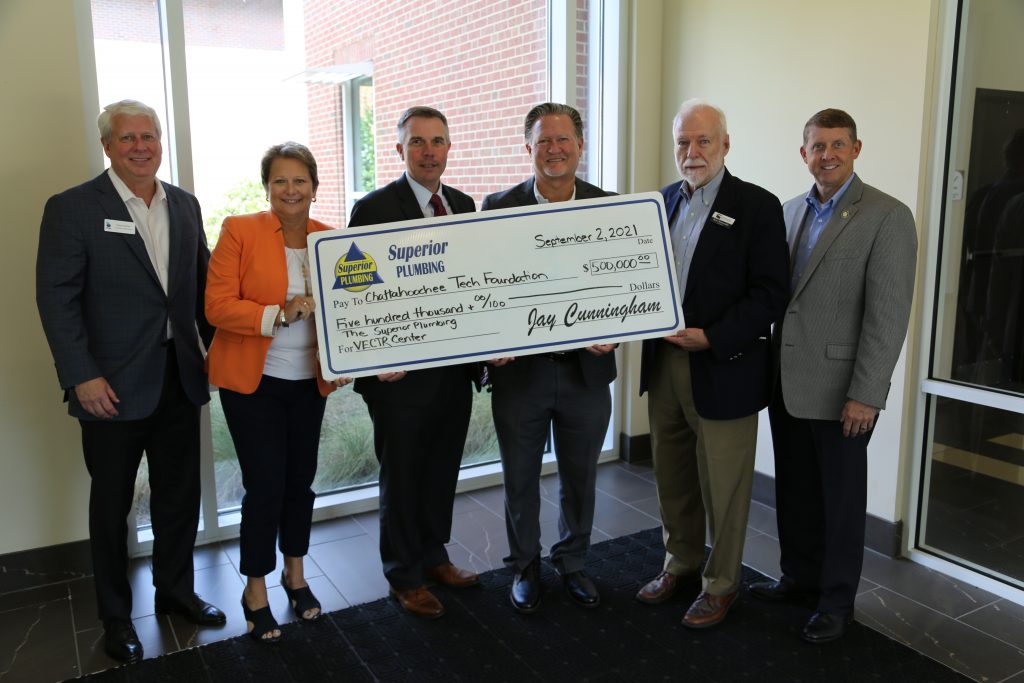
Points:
x=482 y=639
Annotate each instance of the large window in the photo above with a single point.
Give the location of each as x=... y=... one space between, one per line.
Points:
x=971 y=500
x=361 y=124
x=336 y=75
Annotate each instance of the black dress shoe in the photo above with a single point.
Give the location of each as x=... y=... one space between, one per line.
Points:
x=780 y=591
x=527 y=589
x=193 y=608
x=581 y=589
x=121 y=642
x=824 y=627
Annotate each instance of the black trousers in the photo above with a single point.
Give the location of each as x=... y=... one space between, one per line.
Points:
x=420 y=450
x=113 y=451
x=821 y=501
x=276 y=431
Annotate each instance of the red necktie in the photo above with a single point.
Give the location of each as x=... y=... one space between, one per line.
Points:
x=435 y=202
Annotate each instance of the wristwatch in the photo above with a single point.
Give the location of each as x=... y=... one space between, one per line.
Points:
x=281 y=319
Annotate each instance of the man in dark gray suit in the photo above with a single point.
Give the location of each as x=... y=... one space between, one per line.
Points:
x=568 y=390
x=120 y=279
x=854 y=252
x=420 y=418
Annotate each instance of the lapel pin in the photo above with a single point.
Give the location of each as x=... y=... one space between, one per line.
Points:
x=845 y=214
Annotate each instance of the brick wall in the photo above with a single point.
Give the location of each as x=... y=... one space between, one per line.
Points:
x=252 y=24
x=583 y=82
x=482 y=62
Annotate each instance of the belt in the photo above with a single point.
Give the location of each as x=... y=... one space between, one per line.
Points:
x=560 y=355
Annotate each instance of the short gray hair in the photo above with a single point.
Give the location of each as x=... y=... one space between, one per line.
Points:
x=551 y=109
x=697 y=103
x=105 y=121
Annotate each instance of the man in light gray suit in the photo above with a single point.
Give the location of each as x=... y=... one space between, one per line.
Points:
x=854 y=252
x=120 y=277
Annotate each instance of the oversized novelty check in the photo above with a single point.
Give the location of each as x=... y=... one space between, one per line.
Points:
x=510 y=282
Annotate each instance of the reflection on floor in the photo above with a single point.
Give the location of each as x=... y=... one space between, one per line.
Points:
x=975 y=502
x=979 y=464
x=49 y=632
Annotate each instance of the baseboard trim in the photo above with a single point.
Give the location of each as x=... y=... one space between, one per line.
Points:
x=879 y=535
x=763 y=490
x=634 y=449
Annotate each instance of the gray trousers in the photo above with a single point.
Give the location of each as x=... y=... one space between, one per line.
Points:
x=523 y=416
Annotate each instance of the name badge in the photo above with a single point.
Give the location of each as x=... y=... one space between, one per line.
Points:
x=122 y=227
x=722 y=219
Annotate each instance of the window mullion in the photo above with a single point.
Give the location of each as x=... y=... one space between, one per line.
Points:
x=179 y=146
x=562 y=51
x=179 y=133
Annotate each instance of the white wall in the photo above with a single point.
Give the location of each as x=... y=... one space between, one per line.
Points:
x=44 y=486
x=769 y=66
x=645 y=150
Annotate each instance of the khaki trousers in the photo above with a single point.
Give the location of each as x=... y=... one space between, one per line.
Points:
x=704 y=469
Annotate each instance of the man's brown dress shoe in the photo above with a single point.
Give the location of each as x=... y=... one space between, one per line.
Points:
x=708 y=610
x=659 y=589
x=419 y=602
x=448 y=574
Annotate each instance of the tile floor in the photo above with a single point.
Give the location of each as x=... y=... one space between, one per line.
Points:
x=49 y=632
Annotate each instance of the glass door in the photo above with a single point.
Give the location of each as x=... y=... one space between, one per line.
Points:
x=972 y=496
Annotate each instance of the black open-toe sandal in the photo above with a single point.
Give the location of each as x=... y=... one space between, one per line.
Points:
x=302 y=600
x=263 y=622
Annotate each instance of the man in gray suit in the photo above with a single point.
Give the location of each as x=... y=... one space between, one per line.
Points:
x=120 y=278
x=565 y=390
x=854 y=252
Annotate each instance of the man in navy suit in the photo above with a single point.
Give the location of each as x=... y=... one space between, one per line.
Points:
x=565 y=390
x=420 y=418
x=120 y=277
x=708 y=381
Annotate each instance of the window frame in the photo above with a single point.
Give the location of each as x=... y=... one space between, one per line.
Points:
x=605 y=145
x=947 y=82
x=353 y=113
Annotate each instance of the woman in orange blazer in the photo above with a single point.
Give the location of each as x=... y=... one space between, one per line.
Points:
x=263 y=358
